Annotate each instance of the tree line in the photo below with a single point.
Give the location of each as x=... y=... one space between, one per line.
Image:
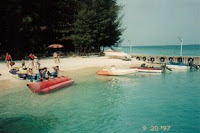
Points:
x=82 y=26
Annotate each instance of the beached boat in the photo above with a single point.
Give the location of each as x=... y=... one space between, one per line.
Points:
x=116 y=72
x=50 y=85
x=18 y=74
x=117 y=55
x=148 y=69
x=179 y=66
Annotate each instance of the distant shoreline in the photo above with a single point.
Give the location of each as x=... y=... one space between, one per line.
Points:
x=160 y=45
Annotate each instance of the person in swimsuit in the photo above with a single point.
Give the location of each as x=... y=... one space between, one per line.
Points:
x=8 y=59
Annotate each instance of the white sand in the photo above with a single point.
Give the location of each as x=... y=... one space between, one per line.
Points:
x=74 y=63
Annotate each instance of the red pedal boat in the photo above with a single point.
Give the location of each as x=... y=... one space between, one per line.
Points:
x=50 y=85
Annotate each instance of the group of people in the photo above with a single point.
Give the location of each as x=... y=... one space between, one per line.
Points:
x=43 y=74
x=33 y=63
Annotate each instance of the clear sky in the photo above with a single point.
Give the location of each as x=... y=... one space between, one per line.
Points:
x=160 y=22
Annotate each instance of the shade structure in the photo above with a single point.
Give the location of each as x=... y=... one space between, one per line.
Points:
x=55 y=46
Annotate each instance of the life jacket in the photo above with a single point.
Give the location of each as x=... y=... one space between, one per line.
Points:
x=31 y=56
x=8 y=57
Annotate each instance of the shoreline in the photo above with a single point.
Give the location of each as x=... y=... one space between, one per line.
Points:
x=73 y=63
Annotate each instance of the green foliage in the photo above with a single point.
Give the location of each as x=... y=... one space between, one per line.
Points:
x=97 y=24
x=30 y=26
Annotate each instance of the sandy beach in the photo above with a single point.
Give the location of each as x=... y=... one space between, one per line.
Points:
x=73 y=63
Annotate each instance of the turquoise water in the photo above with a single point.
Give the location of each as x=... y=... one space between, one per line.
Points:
x=170 y=50
x=99 y=104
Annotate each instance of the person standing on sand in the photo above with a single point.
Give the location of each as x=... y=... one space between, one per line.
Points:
x=58 y=57
x=36 y=63
x=31 y=57
x=55 y=56
x=8 y=59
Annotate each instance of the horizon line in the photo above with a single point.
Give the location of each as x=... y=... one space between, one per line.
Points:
x=157 y=45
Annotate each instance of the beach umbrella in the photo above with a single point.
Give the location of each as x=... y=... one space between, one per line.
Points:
x=55 y=46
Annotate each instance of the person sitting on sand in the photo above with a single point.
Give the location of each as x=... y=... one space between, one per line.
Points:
x=8 y=59
x=55 y=73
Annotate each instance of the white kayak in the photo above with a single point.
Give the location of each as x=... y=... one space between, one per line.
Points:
x=148 y=69
x=178 y=67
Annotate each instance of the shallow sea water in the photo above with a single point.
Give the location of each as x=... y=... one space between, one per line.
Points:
x=99 y=104
x=168 y=50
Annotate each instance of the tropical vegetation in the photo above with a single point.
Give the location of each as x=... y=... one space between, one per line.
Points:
x=82 y=26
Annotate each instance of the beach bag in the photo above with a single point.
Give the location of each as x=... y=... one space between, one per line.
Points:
x=12 y=63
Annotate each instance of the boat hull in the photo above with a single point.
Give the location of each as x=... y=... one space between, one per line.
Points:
x=17 y=74
x=50 y=85
x=148 y=70
x=116 y=72
x=117 y=55
x=178 y=67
